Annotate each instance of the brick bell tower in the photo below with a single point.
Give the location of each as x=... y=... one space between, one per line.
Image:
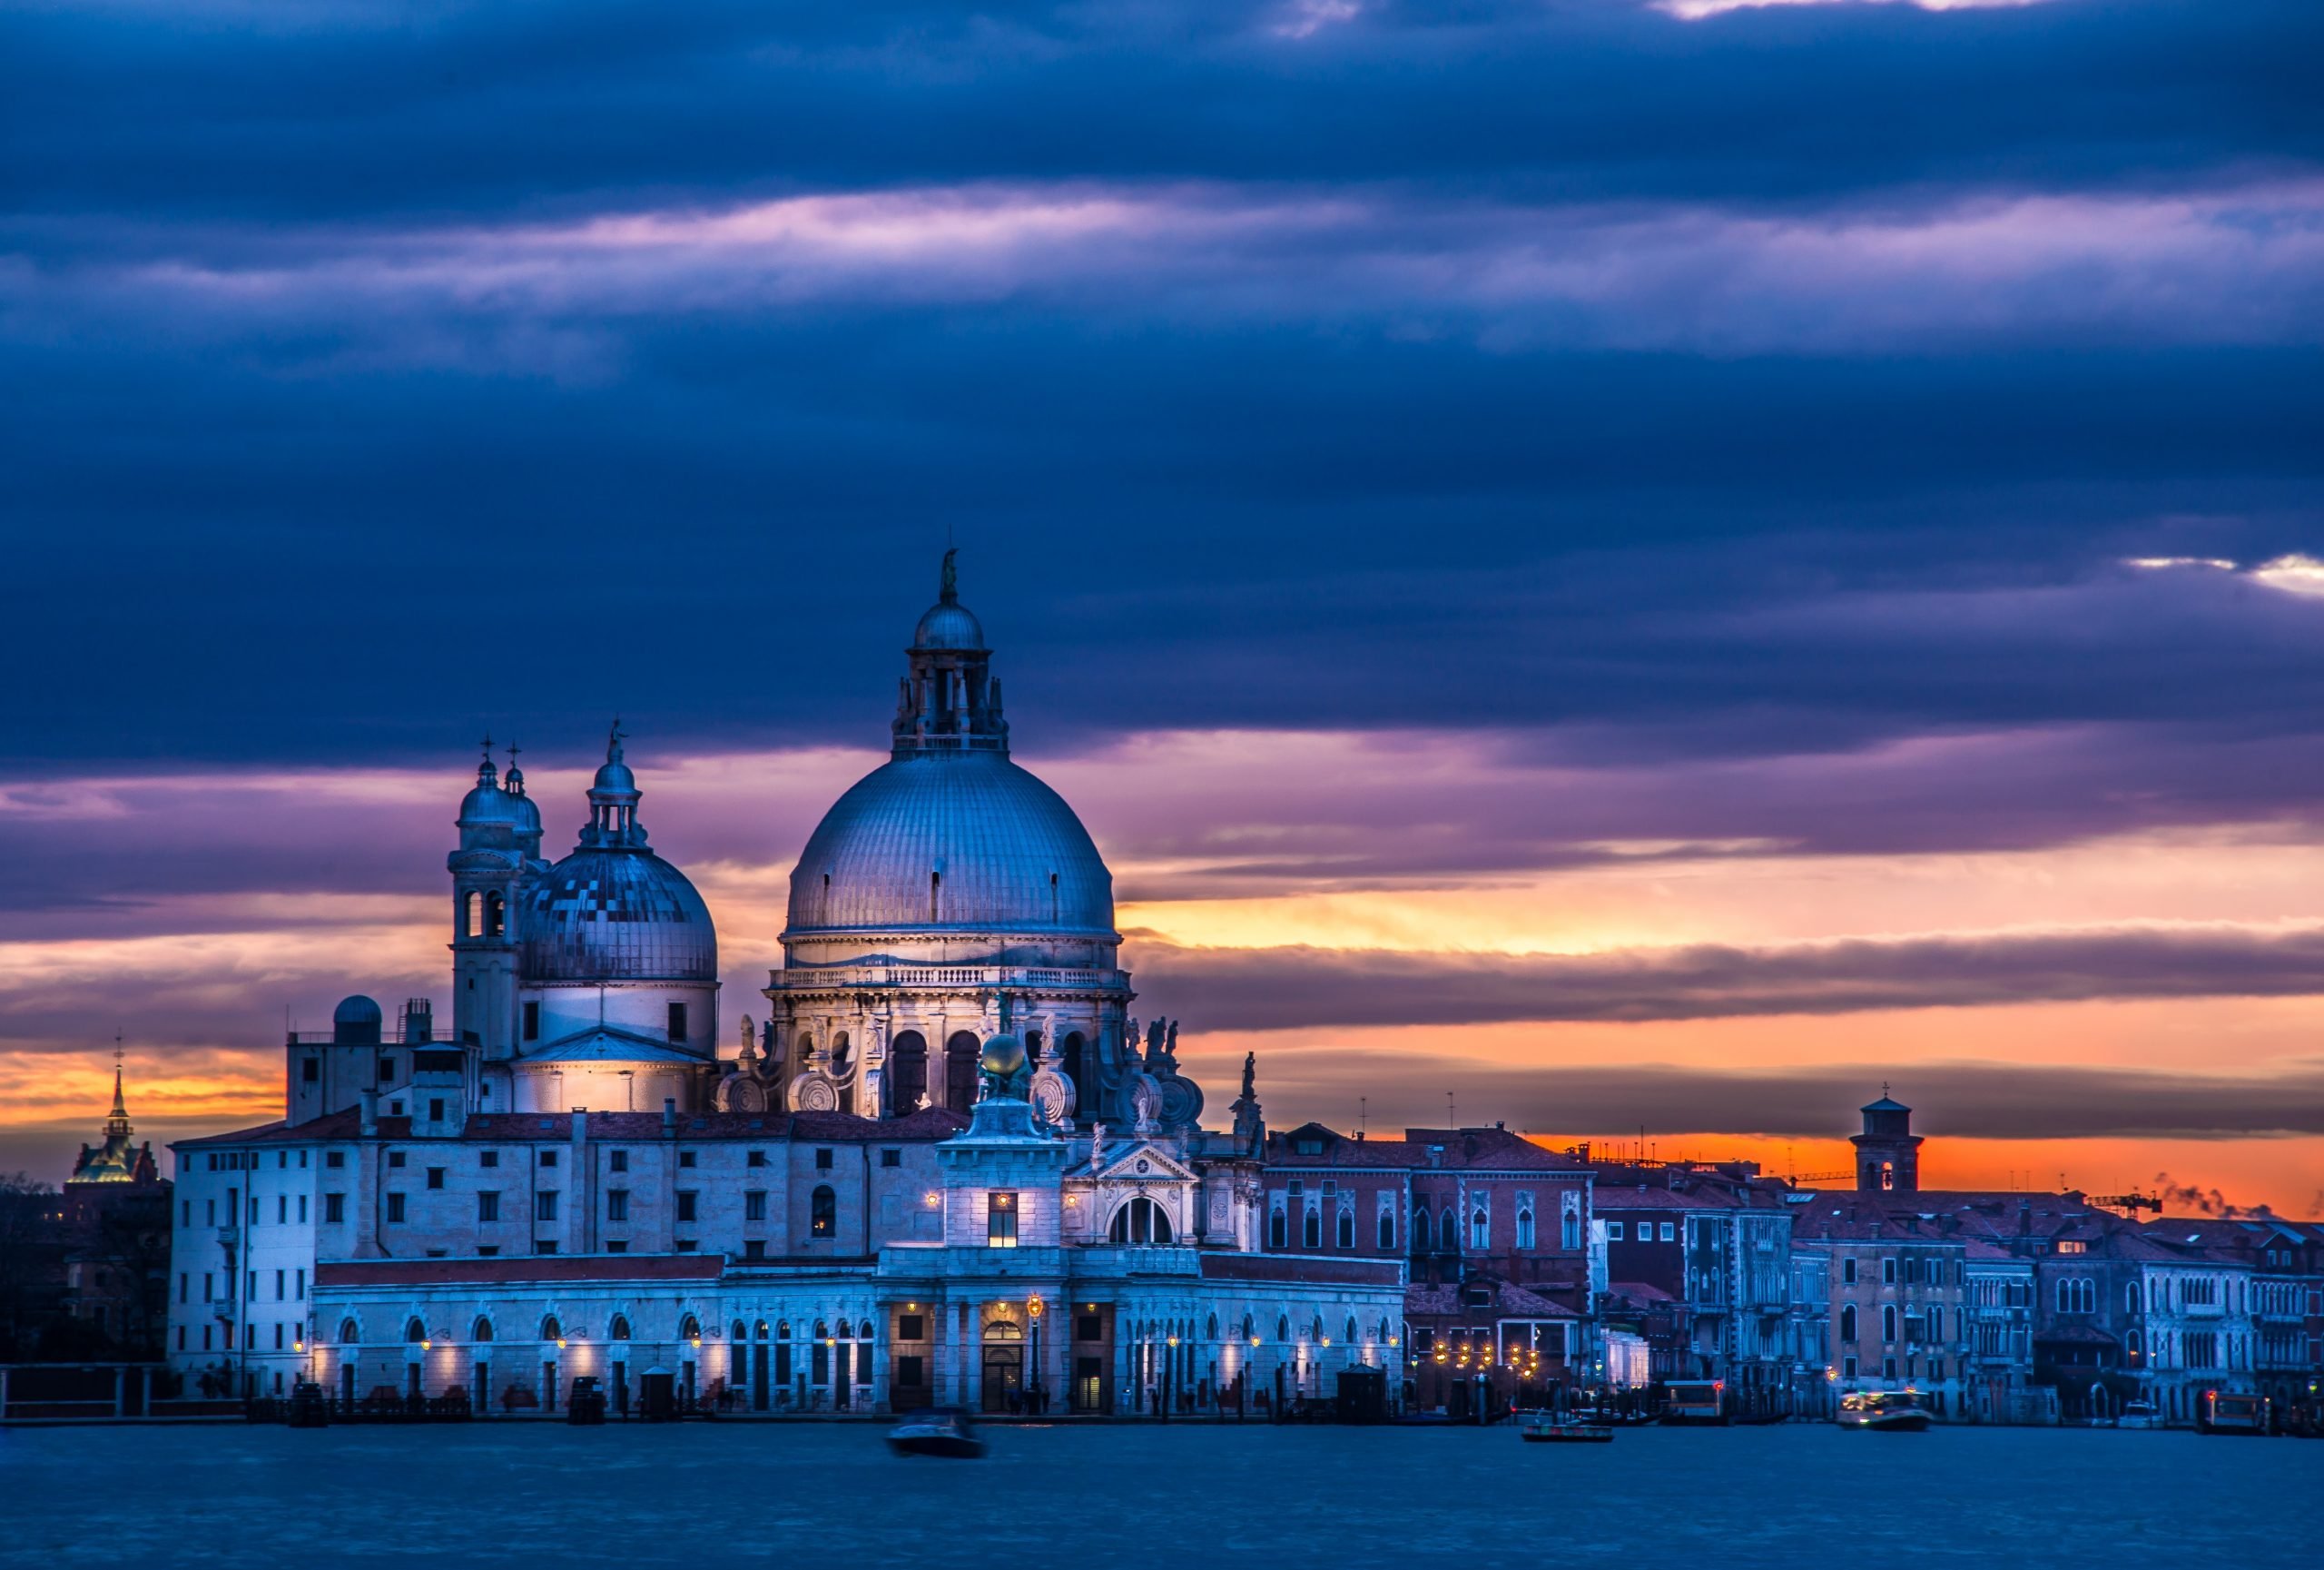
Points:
x=1887 y=1153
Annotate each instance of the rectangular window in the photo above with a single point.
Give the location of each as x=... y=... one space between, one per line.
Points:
x=755 y=1158
x=1613 y=1231
x=489 y=1158
x=685 y=1157
x=618 y=1161
x=1669 y=1233
x=1888 y=1271
x=686 y=1245
x=184 y=1285
x=334 y=1159
x=303 y=1283
x=544 y=1246
x=891 y=1158
x=678 y=1021
x=394 y=1158
x=487 y=1207
x=394 y=1206
x=911 y=1372
x=311 y=1071
x=548 y=1158
x=180 y=1337
x=282 y=1208
x=435 y=1177
x=544 y=1205
x=686 y=1204
x=1847 y=1270
x=822 y=1160
x=302 y=1208
x=435 y=1109
x=532 y=1020
x=754 y=1204
x=754 y=1249
x=387 y=1067
x=617 y=1204
x=912 y=1326
x=334 y=1207
x=1000 y=1220
x=278 y=1285
x=616 y=1247
x=278 y=1334
x=487 y=1251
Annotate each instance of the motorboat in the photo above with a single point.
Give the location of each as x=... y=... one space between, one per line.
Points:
x=1548 y=1429
x=1890 y=1411
x=2138 y=1414
x=944 y=1431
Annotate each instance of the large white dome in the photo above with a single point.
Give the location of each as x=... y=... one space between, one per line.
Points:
x=951 y=841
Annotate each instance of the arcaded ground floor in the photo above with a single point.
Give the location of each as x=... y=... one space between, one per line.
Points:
x=705 y=1495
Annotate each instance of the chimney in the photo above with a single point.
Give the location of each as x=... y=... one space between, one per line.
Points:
x=368 y=1101
x=670 y=1117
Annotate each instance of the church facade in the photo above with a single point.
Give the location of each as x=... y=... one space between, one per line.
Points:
x=944 y=1165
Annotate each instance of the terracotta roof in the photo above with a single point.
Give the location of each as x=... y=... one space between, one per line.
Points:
x=1462 y=1150
x=545 y=1268
x=1639 y=1292
x=1511 y=1301
x=498 y=1127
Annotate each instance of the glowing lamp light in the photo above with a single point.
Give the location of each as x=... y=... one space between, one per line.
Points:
x=298 y=1346
x=427 y=1346
x=697 y=1341
x=560 y=1343
x=931 y=1199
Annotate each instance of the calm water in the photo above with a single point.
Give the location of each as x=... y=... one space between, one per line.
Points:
x=832 y=1497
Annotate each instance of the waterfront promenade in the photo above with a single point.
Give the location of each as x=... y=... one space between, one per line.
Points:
x=1096 y=1497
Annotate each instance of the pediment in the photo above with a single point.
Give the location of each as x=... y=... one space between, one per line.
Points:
x=1142 y=1163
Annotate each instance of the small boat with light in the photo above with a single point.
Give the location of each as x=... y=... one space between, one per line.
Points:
x=944 y=1431
x=1889 y=1411
x=1547 y=1428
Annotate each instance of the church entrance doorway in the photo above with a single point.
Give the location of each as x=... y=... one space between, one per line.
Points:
x=1004 y=1366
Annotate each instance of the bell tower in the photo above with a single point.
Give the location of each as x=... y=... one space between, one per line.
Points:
x=485 y=869
x=1887 y=1153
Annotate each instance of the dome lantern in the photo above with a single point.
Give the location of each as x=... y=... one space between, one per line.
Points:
x=949 y=701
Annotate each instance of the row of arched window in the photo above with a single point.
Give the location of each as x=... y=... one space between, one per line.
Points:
x=416 y=1331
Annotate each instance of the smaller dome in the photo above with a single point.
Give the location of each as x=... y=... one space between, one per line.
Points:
x=1003 y=1056
x=948 y=625
x=614 y=779
x=356 y=1023
x=486 y=806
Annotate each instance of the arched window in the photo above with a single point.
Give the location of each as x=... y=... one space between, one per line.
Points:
x=822 y=1210
x=822 y=1331
x=1350 y=1337
x=481 y=1331
x=496 y=914
x=1448 y=1229
x=620 y=1329
x=864 y=1331
x=742 y=1333
x=842 y=1056
x=1311 y=1228
x=414 y=1332
x=1388 y=1228
x=1935 y=1322
x=1421 y=1230
x=907 y=1072
x=1282 y=1327
x=1525 y=1228
x=1848 y=1324
x=1250 y=1331
x=689 y=1328
x=471 y=904
x=781 y=1330
x=2131 y=1298
x=1887 y=1174
x=1144 y=1221
x=1071 y=1050
x=960 y=1052
x=551 y=1330
x=350 y=1334
x=1210 y=1328
x=1277 y=1236
x=1347 y=1228
x=1887 y=1321
x=1480 y=1229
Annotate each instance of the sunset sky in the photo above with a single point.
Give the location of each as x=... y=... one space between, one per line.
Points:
x=1646 y=566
